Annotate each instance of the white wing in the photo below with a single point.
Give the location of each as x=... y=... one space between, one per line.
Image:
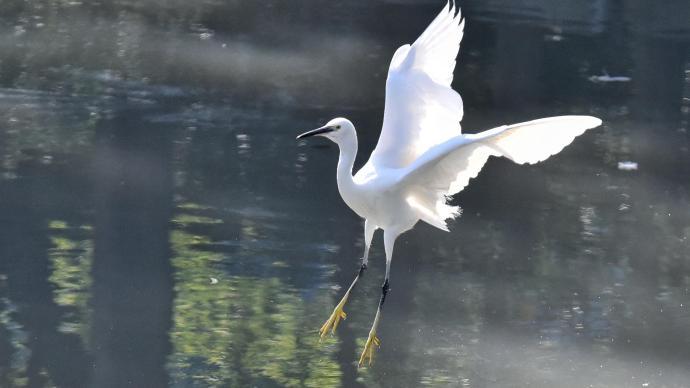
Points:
x=421 y=108
x=447 y=168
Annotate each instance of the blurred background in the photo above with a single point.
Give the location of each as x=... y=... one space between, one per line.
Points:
x=162 y=227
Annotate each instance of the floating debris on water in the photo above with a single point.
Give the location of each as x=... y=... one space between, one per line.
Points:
x=213 y=280
x=608 y=78
x=627 y=166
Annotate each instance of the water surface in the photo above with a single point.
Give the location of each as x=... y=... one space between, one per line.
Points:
x=161 y=226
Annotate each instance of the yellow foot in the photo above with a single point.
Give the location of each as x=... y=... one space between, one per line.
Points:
x=370 y=347
x=332 y=322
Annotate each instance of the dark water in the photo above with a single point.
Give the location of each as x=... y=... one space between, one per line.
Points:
x=161 y=227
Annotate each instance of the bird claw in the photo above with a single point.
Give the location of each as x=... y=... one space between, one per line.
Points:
x=334 y=320
x=373 y=343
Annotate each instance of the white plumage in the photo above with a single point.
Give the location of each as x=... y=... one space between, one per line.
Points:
x=445 y=169
x=421 y=109
x=422 y=157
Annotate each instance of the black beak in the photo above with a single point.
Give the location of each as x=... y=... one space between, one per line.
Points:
x=317 y=131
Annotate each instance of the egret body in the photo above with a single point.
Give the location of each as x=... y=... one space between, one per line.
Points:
x=422 y=158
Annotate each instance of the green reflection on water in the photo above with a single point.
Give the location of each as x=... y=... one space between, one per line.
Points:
x=71 y=257
x=187 y=219
x=242 y=330
x=17 y=352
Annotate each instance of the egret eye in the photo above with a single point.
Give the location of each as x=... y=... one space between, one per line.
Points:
x=337 y=127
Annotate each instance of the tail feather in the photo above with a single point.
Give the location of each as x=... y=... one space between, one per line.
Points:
x=433 y=209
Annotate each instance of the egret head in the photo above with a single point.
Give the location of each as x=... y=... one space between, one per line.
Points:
x=337 y=130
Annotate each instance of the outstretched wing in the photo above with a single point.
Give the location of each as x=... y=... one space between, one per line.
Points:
x=447 y=168
x=421 y=108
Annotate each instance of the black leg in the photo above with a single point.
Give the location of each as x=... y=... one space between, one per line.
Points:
x=360 y=273
x=384 y=292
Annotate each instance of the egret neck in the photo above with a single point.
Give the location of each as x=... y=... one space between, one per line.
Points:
x=348 y=151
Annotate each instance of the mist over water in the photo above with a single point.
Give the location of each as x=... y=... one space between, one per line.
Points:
x=161 y=226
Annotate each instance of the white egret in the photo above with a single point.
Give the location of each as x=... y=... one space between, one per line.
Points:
x=422 y=158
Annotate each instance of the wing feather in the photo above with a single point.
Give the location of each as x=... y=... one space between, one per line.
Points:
x=421 y=108
x=536 y=140
x=447 y=168
x=421 y=135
